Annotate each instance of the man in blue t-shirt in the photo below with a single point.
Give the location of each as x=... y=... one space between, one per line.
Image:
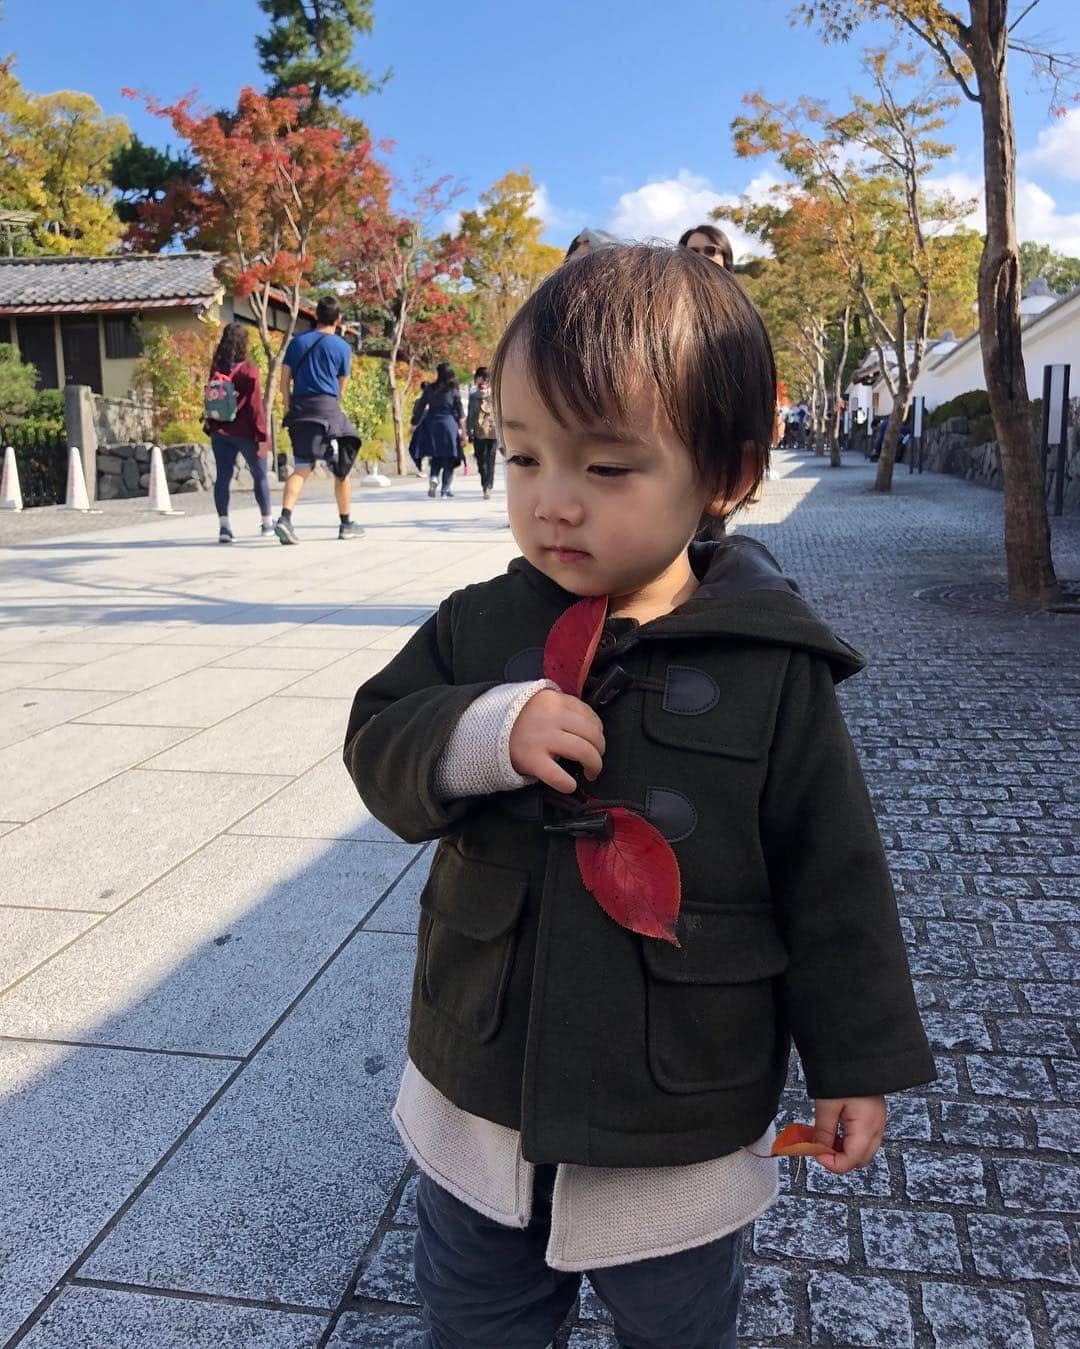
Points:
x=313 y=379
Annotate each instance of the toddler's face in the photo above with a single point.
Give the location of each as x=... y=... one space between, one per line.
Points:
x=600 y=511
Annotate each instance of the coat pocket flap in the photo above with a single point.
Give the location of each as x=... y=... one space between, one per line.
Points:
x=704 y=710
x=481 y=900
x=719 y=946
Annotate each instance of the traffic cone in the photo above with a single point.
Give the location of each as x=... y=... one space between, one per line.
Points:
x=160 y=501
x=10 y=491
x=75 y=497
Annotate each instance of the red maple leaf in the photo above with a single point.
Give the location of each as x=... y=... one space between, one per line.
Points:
x=571 y=644
x=633 y=875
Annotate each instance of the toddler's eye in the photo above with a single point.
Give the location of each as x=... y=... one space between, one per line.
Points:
x=608 y=470
x=520 y=460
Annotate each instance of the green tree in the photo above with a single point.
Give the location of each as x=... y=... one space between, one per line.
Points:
x=1060 y=272
x=506 y=258
x=892 y=237
x=148 y=184
x=310 y=45
x=18 y=382
x=971 y=45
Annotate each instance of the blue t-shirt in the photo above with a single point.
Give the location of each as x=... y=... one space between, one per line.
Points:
x=323 y=368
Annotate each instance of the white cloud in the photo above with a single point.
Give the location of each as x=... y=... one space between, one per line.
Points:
x=665 y=207
x=1037 y=214
x=1058 y=150
x=556 y=219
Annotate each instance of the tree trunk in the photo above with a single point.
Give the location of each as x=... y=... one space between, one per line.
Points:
x=399 y=422
x=1027 y=528
x=897 y=417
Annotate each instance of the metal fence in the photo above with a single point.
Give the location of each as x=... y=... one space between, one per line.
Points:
x=42 y=459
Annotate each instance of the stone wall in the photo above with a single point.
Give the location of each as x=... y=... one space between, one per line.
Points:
x=124 y=470
x=946 y=450
x=122 y=421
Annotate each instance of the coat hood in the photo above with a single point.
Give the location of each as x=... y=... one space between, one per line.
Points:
x=742 y=593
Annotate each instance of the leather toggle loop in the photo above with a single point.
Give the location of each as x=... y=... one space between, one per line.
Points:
x=609 y=686
x=584 y=826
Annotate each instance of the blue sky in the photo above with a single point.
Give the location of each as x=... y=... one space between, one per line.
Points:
x=620 y=110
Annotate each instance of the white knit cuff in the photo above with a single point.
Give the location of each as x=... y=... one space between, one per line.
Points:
x=476 y=760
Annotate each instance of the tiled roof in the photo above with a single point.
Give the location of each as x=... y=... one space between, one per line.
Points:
x=47 y=285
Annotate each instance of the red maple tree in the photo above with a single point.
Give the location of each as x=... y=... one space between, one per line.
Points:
x=272 y=186
x=404 y=280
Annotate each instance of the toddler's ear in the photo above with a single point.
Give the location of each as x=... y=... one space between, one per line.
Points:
x=725 y=504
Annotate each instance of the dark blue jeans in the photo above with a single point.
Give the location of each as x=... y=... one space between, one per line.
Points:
x=486 y=1286
x=446 y=468
x=226 y=448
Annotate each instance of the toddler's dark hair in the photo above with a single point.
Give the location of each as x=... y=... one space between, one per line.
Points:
x=591 y=332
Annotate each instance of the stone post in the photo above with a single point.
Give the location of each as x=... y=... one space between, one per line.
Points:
x=82 y=431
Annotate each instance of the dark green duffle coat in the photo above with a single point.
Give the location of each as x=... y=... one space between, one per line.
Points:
x=534 y=1009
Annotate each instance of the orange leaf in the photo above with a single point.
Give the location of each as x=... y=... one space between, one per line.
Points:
x=633 y=875
x=571 y=644
x=797 y=1140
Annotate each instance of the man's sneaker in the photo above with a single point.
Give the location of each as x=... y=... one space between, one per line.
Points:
x=285 y=532
x=224 y=534
x=350 y=531
x=487 y=493
x=265 y=531
x=447 y=494
x=431 y=489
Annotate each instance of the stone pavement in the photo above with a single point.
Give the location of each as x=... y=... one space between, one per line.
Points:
x=205 y=942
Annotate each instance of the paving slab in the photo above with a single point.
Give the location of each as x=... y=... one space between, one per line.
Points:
x=26 y=674
x=277 y=1192
x=56 y=765
x=199 y=698
x=279 y=735
x=321 y=803
x=62 y=653
x=344 y=676
x=104 y=1318
x=28 y=936
x=97 y=851
x=206 y=959
x=400 y=910
x=132 y=670
x=376 y=1332
x=79 y=1129
x=24 y=712
x=278 y=658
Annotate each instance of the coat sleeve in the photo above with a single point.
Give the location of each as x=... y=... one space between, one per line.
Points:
x=847 y=990
x=401 y=722
x=474 y=409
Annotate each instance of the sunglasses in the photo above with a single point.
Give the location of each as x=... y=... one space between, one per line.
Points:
x=708 y=250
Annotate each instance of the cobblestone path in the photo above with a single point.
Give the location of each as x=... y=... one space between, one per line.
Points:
x=962 y=1235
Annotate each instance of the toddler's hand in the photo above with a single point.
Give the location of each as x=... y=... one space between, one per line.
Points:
x=864 y=1120
x=555 y=726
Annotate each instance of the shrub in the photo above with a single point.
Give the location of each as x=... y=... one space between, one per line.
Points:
x=974 y=403
x=181 y=432
x=18 y=382
x=45 y=415
x=172 y=370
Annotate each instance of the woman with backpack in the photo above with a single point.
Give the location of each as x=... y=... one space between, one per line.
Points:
x=439 y=429
x=480 y=425
x=236 y=424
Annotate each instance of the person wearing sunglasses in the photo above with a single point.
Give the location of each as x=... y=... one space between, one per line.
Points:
x=710 y=243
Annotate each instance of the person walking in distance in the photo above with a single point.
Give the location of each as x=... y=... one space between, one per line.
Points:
x=439 y=430
x=313 y=379
x=236 y=424
x=480 y=426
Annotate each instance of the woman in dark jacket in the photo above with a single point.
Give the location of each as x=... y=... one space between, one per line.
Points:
x=438 y=420
x=245 y=434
